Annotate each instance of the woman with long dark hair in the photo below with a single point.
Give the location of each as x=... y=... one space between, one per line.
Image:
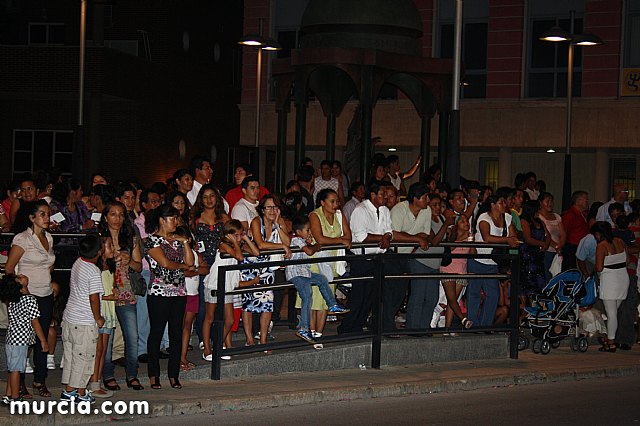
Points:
x=536 y=241
x=492 y=226
x=183 y=181
x=169 y=255
x=181 y=203
x=116 y=224
x=67 y=199
x=32 y=255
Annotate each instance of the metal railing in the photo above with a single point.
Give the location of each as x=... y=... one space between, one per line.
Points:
x=375 y=332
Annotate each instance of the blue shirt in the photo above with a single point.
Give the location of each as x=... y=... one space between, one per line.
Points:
x=586 y=251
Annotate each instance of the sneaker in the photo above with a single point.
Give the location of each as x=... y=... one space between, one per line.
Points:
x=316 y=334
x=51 y=362
x=87 y=397
x=6 y=400
x=201 y=346
x=69 y=396
x=338 y=310
x=225 y=357
x=28 y=369
x=332 y=318
x=305 y=335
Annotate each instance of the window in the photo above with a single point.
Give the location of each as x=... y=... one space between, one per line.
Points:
x=488 y=171
x=289 y=40
x=474 y=55
x=547 y=73
x=46 y=33
x=623 y=171
x=632 y=36
x=40 y=149
x=108 y=16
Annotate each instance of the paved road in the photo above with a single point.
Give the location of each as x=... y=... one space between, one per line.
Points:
x=572 y=403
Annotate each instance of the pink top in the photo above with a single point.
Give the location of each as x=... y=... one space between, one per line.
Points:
x=457 y=265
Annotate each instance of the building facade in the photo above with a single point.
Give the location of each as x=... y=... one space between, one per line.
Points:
x=513 y=110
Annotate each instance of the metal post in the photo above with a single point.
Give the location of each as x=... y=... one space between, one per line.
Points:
x=566 y=185
x=83 y=40
x=443 y=136
x=331 y=137
x=514 y=312
x=258 y=94
x=218 y=327
x=376 y=313
x=453 y=154
x=300 y=100
x=425 y=143
x=291 y=309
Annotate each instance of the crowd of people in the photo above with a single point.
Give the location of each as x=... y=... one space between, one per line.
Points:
x=145 y=273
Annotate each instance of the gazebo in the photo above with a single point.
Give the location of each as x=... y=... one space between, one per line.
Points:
x=348 y=50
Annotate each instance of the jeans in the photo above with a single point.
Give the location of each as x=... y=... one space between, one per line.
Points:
x=201 y=307
x=163 y=310
x=491 y=287
x=127 y=317
x=142 y=315
x=423 y=297
x=303 y=285
x=45 y=306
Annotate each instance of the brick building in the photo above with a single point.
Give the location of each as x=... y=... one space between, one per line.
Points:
x=161 y=86
x=514 y=109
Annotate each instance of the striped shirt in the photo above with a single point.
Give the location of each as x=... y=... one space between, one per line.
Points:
x=303 y=270
x=86 y=279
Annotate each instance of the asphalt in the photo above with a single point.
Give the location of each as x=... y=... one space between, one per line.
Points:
x=255 y=392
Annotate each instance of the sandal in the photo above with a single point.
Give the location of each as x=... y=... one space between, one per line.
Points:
x=111 y=387
x=135 y=384
x=24 y=393
x=609 y=347
x=466 y=323
x=155 y=382
x=187 y=366
x=175 y=383
x=42 y=390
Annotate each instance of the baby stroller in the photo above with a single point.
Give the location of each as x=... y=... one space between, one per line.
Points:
x=555 y=312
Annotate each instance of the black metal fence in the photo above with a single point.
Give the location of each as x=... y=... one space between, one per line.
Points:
x=375 y=331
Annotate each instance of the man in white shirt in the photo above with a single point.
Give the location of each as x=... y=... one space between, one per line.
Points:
x=325 y=180
x=357 y=192
x=245 y=209
x=371 y=223
x=202 y=174
x=620 y=195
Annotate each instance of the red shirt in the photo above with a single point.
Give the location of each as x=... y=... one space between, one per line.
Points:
x=575 y=225
x=235 y=194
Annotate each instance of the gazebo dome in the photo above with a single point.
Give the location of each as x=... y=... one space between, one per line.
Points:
x=388 y=25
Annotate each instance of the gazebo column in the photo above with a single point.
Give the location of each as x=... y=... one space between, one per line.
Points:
x=366 y=102
x=300 y=99
x=281 y=149
x=425 y=142
x=443 y=135
x=331 y=136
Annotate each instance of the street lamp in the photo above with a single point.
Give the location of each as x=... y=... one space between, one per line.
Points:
x=558 y=35
x=261 y=43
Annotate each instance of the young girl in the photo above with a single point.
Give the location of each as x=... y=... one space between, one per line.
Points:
x=108 y=310
x=59 y=302
x=23 y=328
x=453 y=288
x=234 y=239
x=192 y=281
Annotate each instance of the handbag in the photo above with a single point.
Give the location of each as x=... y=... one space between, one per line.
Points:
x=138 y=283
x=556 y=265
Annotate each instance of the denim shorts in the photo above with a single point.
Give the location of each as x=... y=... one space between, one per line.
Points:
x=105 y=330
x=16 y=357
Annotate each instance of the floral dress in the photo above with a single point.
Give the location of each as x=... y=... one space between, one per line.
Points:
x=122 y=283
x=260 y=301
x=209 y=236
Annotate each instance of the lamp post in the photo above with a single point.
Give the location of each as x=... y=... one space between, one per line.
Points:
x=261 y=43
x=558 y=35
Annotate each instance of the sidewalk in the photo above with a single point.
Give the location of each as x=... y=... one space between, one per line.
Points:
x=205 y=396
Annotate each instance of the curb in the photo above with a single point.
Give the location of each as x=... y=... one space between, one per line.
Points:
x=213 y=405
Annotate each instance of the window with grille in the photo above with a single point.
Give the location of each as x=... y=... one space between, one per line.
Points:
x=623 y=171
x=42 y=149
x=46 y=33
x=488 y=171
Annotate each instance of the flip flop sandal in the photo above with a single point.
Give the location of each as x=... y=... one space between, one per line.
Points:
x=24 y=393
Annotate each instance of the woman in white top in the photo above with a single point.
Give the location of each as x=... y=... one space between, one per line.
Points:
x=553 y=223
x=32 y=255
x=493 y=226
x=611 y=263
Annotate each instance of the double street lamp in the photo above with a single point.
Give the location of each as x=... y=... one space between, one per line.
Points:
x=559 y=35
x=261 y=43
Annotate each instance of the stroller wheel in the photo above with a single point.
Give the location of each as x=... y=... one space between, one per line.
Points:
x=583 y=344
x=545 y=347
x=523 y=343
x=535 y=346
x=555 y=344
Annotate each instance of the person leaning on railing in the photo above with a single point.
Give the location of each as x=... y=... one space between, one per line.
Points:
x=495 y=227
